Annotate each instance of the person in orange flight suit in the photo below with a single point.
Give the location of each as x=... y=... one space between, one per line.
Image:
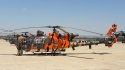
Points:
x=110 y=33
x=112 y=30
x=60 y=39
x=55 y=40
x=65 y=41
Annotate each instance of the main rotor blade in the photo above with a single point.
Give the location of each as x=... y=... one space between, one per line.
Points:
x=84 y=30
x=28 y=28
x=36 y=27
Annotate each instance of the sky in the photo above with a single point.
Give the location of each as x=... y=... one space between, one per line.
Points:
x=93 y=15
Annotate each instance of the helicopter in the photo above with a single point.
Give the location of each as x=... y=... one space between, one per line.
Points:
x=54 y=42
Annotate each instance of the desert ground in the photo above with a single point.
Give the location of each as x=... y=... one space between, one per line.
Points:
x=98 y=58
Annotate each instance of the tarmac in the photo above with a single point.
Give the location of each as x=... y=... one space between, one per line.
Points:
x=99 y=57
